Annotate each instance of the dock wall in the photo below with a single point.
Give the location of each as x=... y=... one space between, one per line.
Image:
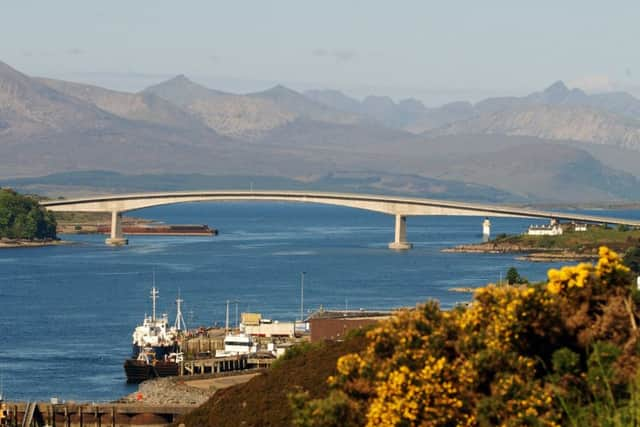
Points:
x=93 y=415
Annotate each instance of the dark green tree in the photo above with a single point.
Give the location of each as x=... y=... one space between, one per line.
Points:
x=22 y=218
x=632 y=259
x=513 y=276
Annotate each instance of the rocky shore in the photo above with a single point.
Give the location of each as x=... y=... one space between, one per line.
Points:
x=528 y=253
x=168 y=391
x=183 y=390
x=23 y=243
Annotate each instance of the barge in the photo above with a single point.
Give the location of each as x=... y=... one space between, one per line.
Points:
x=163 y=229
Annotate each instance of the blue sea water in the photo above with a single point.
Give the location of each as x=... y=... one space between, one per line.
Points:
x=67 y=312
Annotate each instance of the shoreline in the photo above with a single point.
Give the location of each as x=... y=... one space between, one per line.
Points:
x=531 y=254
x=22 y=243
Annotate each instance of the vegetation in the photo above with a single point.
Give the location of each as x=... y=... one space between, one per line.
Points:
x=632 y=259
x=22 y=218
x=620 y=239
x=564 y=352
x=82 y=217
x=514 y=278
x=263 y=400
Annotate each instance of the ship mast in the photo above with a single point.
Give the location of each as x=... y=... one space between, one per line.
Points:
x=179 y=323
x=154 y=296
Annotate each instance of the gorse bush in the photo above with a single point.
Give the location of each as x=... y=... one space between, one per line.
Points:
x=564 y=352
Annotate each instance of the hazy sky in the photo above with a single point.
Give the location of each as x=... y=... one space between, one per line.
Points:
x=436 y=51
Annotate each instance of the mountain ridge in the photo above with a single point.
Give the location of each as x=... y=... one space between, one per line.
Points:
x=178 y=125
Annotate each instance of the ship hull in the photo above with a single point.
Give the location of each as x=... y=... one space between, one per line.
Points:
x=139 y=370
x=159 y=352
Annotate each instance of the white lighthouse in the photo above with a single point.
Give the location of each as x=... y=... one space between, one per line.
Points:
x=486 y=228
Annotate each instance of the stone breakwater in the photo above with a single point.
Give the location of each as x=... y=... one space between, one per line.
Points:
x=168 y=391
x=183 y=391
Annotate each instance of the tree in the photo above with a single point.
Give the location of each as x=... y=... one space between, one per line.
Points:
x=513 y=277
x=21 y=217
x=632 y=259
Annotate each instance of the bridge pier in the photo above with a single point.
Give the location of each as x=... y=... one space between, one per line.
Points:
x=116 y=238
x=400 y=242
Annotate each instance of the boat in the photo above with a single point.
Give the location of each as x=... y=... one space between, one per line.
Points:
x=156 y=346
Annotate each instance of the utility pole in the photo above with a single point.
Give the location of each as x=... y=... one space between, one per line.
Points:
x=226 y=323
x=302 y=296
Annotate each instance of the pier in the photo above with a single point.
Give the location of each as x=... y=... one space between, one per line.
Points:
x=230 y=364
x=42 y=414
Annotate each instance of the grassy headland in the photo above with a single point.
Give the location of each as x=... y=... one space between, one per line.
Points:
x=571 y=245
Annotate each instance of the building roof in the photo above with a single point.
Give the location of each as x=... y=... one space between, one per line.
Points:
x=348 y=314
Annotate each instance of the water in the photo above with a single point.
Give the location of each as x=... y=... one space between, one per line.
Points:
x=67 y=312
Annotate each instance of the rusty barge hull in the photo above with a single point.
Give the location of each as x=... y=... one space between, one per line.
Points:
x=163 y=230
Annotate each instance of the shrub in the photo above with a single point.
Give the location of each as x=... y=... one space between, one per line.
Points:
x=530 y=355
x=22 y=218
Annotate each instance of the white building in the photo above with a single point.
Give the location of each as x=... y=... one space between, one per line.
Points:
x=553 y=229
x=269 y=330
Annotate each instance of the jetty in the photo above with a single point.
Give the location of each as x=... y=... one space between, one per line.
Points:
x=41 y=414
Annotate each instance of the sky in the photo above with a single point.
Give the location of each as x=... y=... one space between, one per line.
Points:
x=434 y=51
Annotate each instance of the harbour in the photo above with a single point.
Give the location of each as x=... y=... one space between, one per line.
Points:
x=84 y=299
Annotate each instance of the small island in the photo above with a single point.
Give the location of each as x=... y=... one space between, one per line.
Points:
x=571 y=242
x=23 y=223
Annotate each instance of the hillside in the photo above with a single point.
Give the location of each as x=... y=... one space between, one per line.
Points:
x=303 y=107
x=249 y=116
x=142 y=106
x=576 y=123
x=45 y=130
x=263 y=401
x=228 y=114
x=102 y=182
x=556 y=113
x=535 y=152
x=28 y=107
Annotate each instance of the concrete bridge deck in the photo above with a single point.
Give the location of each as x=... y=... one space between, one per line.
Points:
x=400 y=207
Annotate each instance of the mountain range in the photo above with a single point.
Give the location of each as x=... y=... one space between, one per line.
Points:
x=558 y=144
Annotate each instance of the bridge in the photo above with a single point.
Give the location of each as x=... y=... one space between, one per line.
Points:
x=400 y=207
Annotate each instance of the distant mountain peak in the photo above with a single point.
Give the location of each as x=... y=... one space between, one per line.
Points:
x=180 y=79
x=280 y=90
x=557 y=88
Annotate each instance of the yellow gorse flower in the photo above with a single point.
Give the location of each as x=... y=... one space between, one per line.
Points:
x=568 y=277
x=428 y=367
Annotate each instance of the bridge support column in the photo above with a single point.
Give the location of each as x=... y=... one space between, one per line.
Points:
x=116 y=238
x=400 y=242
